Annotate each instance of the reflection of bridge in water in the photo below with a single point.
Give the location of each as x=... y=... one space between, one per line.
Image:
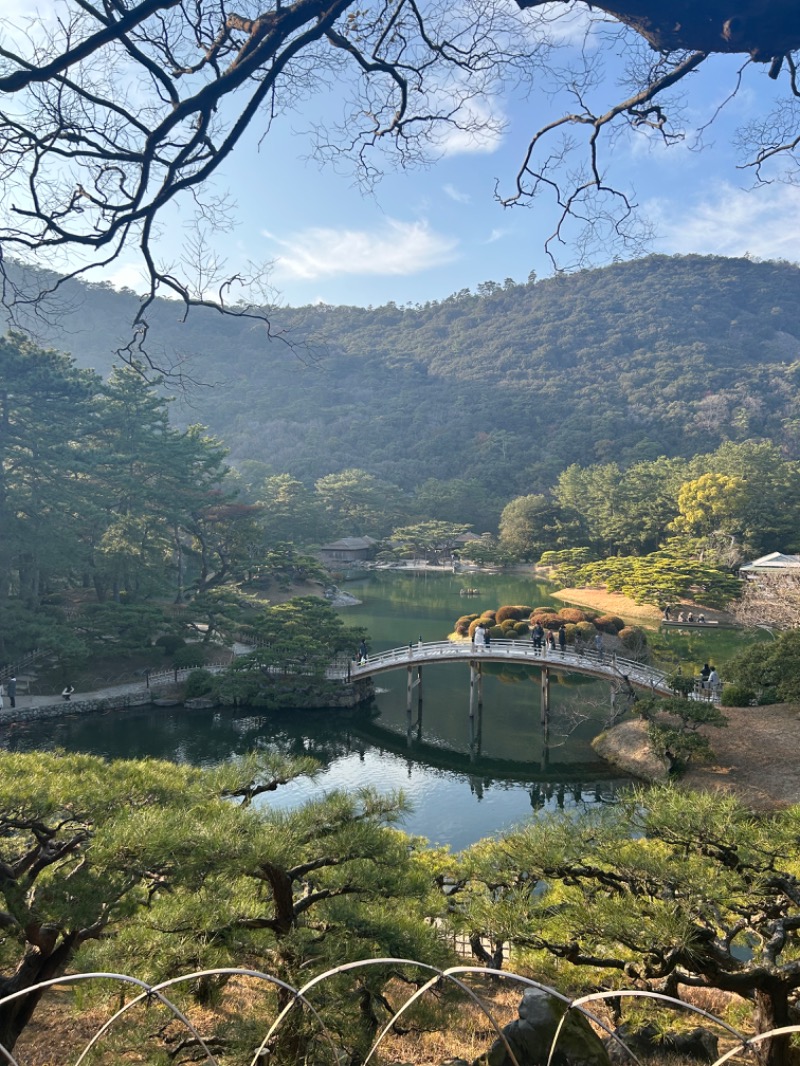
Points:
x=624 y=675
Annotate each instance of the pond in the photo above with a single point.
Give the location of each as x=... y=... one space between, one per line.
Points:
x=466 y=779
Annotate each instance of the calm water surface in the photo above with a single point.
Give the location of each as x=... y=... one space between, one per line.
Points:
x=465 y=782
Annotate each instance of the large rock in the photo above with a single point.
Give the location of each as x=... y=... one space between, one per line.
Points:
x=531 y=1036
x=627 y=746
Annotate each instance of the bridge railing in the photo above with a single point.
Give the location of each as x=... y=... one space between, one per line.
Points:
x=519 y=651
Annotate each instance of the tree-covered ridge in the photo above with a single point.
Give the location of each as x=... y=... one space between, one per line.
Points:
x=507 y=387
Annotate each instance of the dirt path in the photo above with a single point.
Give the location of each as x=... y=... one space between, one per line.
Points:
x=755 y=757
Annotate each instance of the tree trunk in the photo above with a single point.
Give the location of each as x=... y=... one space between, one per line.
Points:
x=771 y=1011
x=33 y=969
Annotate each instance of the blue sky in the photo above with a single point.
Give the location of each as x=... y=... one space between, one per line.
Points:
x=427 y=233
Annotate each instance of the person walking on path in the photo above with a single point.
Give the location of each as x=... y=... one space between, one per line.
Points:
x=12 y=690
x=598 y=646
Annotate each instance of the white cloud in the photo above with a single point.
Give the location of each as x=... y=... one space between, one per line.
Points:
x=456 y=194
x=398 y=248
x=763 y=222
x=497 y=234
x=479 y=131
x=128 y=276
x=570 y=27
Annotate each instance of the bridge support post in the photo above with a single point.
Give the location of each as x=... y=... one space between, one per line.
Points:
x=545 y=695
x=475 y=688
x=409 y=689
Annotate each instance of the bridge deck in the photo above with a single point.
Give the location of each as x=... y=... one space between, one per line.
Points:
x=610 y=667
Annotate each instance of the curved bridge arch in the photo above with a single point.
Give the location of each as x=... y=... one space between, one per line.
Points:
x=611 y=667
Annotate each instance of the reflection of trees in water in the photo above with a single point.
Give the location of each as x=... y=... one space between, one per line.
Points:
x=197 y=737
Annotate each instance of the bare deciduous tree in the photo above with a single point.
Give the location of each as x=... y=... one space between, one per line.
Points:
x=771 y=601
x=111 y=111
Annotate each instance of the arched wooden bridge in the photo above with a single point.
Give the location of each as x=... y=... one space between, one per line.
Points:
x=621 y=673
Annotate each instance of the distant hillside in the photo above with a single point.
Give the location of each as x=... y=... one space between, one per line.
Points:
x=664 y=355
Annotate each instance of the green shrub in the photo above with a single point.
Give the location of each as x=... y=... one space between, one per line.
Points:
x=549 y=621
x=465 y=620
x=198 y=683
x=498 y=632
x=521 y=628
x=189 y=655
x=610 y=623
x=736 y=696
x=170 y=642
x=571 y=629
x=507 y=612
x=680 y=682
x=585 y=630
x=572 y=614
x=488 y=615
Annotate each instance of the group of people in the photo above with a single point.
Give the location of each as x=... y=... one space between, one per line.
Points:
x=481 y=638
x=544 y=641
x=682 y=616
x=10 y=690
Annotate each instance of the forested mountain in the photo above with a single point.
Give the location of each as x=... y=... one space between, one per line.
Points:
x=659 y=356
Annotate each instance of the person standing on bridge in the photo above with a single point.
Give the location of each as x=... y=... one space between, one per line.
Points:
x=537 y=636
x=363 y=653
x=479 y=636
x=598 y=645
x=487 y=637
x=562 y=638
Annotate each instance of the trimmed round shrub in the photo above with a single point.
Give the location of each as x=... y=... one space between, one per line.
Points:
x=632 y=637
x=498 y=632
x=585 y=630
x=571 y=629
x=465 y=620
x=541 y=610
x=170 y=642
x=507 y=612
x=521 y=628
x=472 y=627
x=736 y=696
x=198 y=683
x=549 y=621
x=610 y=623
x=190 y=655
x=572 y=614
x=488 y=614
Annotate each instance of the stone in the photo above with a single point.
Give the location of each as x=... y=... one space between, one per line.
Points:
x=699 y=1045
x=531 y=1036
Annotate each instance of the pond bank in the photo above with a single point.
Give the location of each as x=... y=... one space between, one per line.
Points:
x=599 y=599
x=754 y=758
